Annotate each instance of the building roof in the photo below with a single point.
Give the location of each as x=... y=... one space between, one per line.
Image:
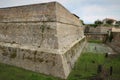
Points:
x=109 y=19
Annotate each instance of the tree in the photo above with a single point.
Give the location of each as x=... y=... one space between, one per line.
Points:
x=118 y=22
x=110 y=21
x=82 y=22
x=98 y=22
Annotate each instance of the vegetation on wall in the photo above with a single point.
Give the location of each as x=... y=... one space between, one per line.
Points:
x=92 y=25
x=13 y=55
x=82 y=22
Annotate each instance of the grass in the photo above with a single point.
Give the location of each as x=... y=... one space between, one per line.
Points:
x=85 y=69
x=87 y=65
x=8 y=72
x=95 y=41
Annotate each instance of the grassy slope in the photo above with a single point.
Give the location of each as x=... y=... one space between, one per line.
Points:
x=13 y=73
x=85 y=68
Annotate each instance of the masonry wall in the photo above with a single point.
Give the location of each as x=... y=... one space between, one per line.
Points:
x=115 y=43
x=35 y=12
x=99 y=37
x=31 y=58
x=105 y=29
x=98 y=29
x=44 y=38
x=30 y=28
x=29 y=25
x=64 y=16
x=51 y=62
x=94 y=29
x=35 y=34
x=68 y=34
x=97 y=33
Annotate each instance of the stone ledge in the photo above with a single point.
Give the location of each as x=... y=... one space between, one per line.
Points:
x=70 y=46
x=32 y=48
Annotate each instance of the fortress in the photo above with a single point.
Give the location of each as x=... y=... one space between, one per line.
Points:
x=44 y=38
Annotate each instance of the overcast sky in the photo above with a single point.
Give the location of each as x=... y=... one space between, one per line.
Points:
x=87 y=10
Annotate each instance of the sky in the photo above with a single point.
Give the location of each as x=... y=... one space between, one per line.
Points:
x=87 y=10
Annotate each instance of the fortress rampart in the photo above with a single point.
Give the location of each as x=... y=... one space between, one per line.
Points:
x=44 y=38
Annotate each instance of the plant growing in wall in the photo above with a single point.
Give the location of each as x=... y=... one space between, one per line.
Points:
x=13 y=54
x=42 y=30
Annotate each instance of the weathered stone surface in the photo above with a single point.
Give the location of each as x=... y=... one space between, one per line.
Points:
x=97 y=33
x=36 y=12
x=115 y=43
x=98 y=29
x=96 y=36
x=44 y=38
x=36 y=34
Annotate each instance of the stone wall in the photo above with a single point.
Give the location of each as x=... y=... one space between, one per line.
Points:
x=94 y=29
x=62 y=16
x=96 y=36
x=40 y=34
x=105 y=29
x=30 y=28
x=44 y=38
x=98 y=29
x=97 y=33
x=58 y=63
x=30 y=25
x=115 y=43
x=29 y=13
x=68 y=34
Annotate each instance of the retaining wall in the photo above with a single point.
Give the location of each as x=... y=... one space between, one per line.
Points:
x=115 y=43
